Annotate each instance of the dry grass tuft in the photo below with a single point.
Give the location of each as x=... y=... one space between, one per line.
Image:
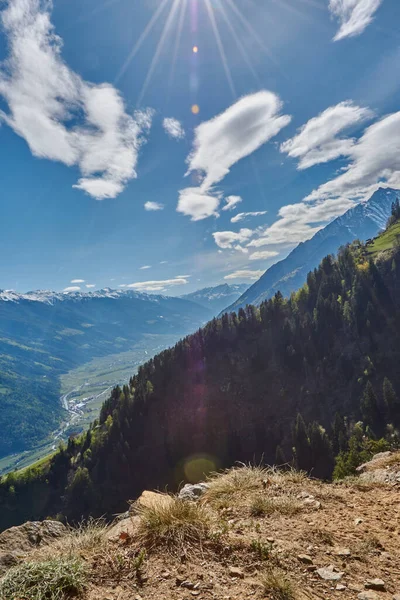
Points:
x=56 y=579
x=176 y=524
x=87 y=539
x=262 y=506
x=277 y=586
x=226 y=485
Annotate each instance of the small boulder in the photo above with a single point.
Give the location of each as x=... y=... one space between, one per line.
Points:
x=328 y=574
x=368 y=596
x=305 y=558
x=151 y=499
x=375 y=584
x=193 y=492
x=342 y=552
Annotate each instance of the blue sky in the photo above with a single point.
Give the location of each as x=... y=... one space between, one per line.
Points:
x=201 y=139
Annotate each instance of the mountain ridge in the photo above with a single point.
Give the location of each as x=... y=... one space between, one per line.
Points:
x=362 y=221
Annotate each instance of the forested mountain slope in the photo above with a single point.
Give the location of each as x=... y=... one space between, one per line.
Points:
x=234 y=390
x=44 y=334
x=362 y=222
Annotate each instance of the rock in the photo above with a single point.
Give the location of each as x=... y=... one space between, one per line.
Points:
x=123 y=530
x=329 y=574
x=368 y=596
x=16 y=542
x=236 y=572
x=340 y=587
x=193 y=492
x=358 y=521
x=30 y=535
x=151 y=499
x=373 y=461
x=375 y=584
x=305 y=558
x=396 y=597
x=342 y=552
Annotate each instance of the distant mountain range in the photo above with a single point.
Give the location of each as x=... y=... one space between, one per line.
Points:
x=44 y=334
x=216 y=298
x=362 y=222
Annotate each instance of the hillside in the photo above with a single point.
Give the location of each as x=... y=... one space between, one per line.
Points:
x=216 y=298
x=253 y=533
x=294 y=373
x=45 y=334
x=362 y=222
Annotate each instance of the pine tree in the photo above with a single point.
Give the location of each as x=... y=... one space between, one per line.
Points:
x=301 y=445
x=369 y=409
x=321 y=452
x=392 y=402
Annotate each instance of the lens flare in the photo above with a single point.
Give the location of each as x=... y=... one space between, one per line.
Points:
x=195 y=109
x=195 y=49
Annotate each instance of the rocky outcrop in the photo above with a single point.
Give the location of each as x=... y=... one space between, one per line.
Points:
x=17 y=542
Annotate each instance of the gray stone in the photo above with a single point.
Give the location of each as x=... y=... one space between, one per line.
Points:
x=340 y=587
x=305 y=558
x=329 y=574
x=368 y=596
x=342 y=552
x=193 y=492
x=375 y=584
x=236 y=572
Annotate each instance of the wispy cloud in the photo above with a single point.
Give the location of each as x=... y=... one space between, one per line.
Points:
x=60 y=116
x=263 y=255
x=374 y=160
x=242 y=216
x=145 y=267
x=318 y=142
x=232 y=202
x=77 y=281
x=223 y=141
x=74 y=288
x=245 y=274
x=153 y=206
x=157 y=286
x=231 y=239
x=90 y=286
x=173 y=128
x=353 y=15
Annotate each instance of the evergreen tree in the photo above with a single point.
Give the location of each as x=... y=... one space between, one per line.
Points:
x=369 y=408
x=321 y=452
x=301 y=445
x=392 y=402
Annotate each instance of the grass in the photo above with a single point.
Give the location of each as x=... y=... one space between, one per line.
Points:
x=175 y=524
x=55 y=579
x=88 y=539
x=277 y=586
x=385 y=241
x=225 y=486
x=262 y=506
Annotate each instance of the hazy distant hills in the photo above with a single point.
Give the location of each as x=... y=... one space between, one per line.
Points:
x=216 y=298
x=44 y=334
x=362 y=222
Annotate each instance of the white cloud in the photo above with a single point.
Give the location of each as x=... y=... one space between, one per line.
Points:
x=90 y=286
x=263 y=255
x=198 y=204
x=223 y=141
x=164 y=262
x=299 y=222
x=353 y=15
x=157 y=286
x=318 y=142
x=145 y=267
x=77 y=281
x=245 y=274
x=374 y=161
x=153 y=206
x=173 y=128
x=234 y=134
x=60 y=116
x=74 y=288
x=228 y=239
x=244 y=215
x=231 y=202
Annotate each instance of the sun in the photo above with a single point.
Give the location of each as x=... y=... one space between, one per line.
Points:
x=180 y=14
